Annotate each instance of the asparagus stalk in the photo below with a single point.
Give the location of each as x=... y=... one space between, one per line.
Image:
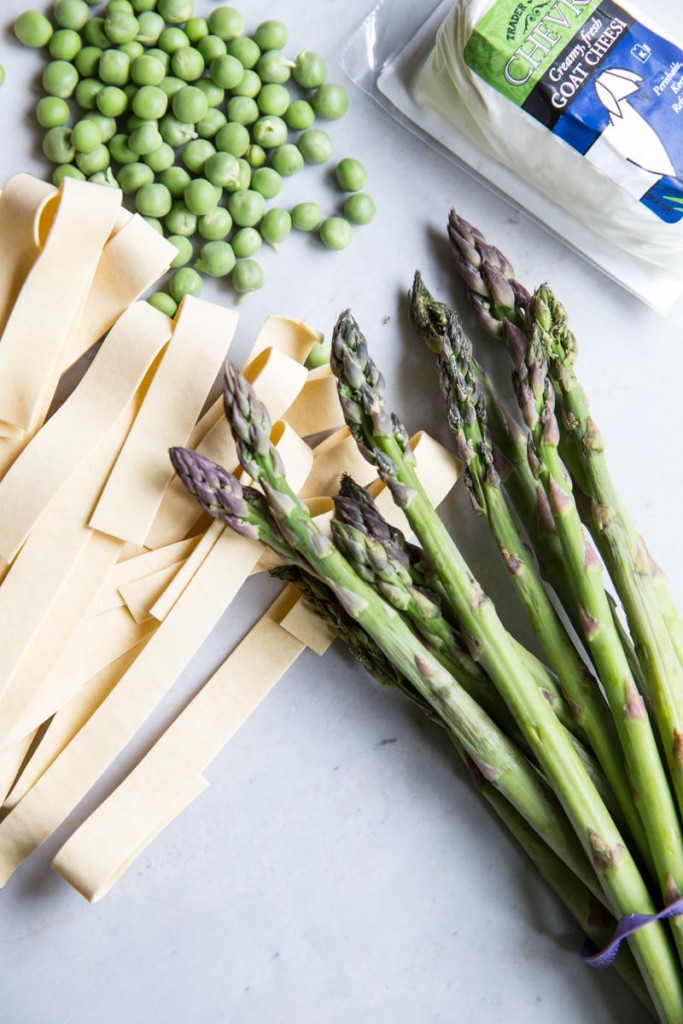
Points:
x=384 y=442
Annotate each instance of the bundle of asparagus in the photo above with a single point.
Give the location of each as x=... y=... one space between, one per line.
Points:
x=580 y=756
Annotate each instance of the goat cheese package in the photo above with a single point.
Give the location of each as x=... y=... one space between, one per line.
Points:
x=583 y=99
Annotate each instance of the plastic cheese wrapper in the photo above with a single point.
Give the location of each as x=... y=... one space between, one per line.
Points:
x=573 y=108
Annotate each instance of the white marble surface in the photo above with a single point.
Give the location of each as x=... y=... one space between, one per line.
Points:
x=339 y=868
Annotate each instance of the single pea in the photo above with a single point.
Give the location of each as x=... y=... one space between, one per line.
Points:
x=71 y=14
x=145 y=139
x=246 y=51
x=319 y=355
x=141 y=5
x=225 y=71
x=245 y=173
x=246 y=207
x=95 y=35
x=120 y=27
x=196 y=29
x=114 y=67
x=185 y=282
x=86 y=136
x=351 y=175
x=287 y=160
x=87 y=61
x=274 y=67
x=190 y=104
x=60 y=79
x=87 y=91
x=335 y=232
x=222 y=169
x=214 y=94
x=310 y=70
x=150 y=102
x=147 y=70
x=216 y=259
x=107 y=125
x=273 y=99
x=133 y=122
x=121 y=151
x=242 y=109
x=150 y=27
x=270 y=132
x=171 y=85
x=300 y=115
x=248 y=85
x=161 y=158
x=133 y=176
x=187 y=63
x=271 y=35
x=52 y=112
x=96 y=160
x=211 y=47
x=215 y=225
x=176 y=133
x=112 y=101
x=179 y=220
x=225 y=22
x=359 y=208
x=66 y=171
x=57 y=145
x=233 y=138
x=246 y=242
x=315 y=146
x=132 y=49
x=164 y=303
x=275 y=226
x=173 y=39
x=118 y=5
x=306 y=216
x=33 y=29
x=210 y=125
x=65 y=44
x=176 y=179
x=247 y=276
x=161 y=55
x=201 y=196
x=184 y=247
x=196 y=153
x=266 y=181
x=330 y=102
x=153 y=200
x=155 y=223
x=174 y=12
x=255 y=155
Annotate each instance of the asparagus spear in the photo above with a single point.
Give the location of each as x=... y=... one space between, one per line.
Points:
x=383 y=440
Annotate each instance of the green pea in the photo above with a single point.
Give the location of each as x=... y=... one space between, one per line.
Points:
x=270 y=132
x=226 y=71
x=180 y=221
x=287 y=160
x=266 y=181
x=173 y=39
x=164 y=303
x=233 y=138
x=161 y=158
x=335 y=233
x=247 y=276
x=176 y=179
x=184 y=247
x=150 y=27
x=121 y=151
x=246 y=242
x=222 y=169
x=242 y=109
x=214 y=94
x=201 y=196
x=65 y=44
x=351 y=175
x=175 y=11
x=246 y=207
x=133 y=176
x=196 y=153
x=60 y=79
x=176 y=133
x=107 y=125
x=185 y=282
x=171 y=85
x=133 y=122
x=155 y=223
x=118 y=5
x=87 y=91
x=145 y=139
x=271 y=35
x=120 y=27
x=225 y=22
x=160 y=55
x=196 y=29
x=87 y=61
x=255 y=155
x=216 y=259
x=274 y=67
x=330 y=102
x=246 y=51
x=190 y=104
x=215 y=225
x=248 y=85
x=315 y=146
x=359 y=208
x=114 y=67
x=210 y=125
x=306 y=216
x=146 y=70
x=275 y=226
x=299 y=115
x=310 y=70
x=52 y=112
x=211 y=47
x=94 y=161
x=142 y=5
x=245 y=173
x=66 y=171
x=150 y=102
x=112 y=101
x=71 y=14
x=58 y=146
x=273 y=99
x=188 y=64
x=86 y=136
x=132 y=50
x=153 y=200
x=95 y=35
x=33 y=29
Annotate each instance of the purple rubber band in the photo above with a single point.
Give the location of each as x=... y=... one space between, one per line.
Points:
x=627 y=926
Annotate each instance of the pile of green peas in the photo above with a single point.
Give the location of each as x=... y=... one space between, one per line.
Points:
x=193 y=120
